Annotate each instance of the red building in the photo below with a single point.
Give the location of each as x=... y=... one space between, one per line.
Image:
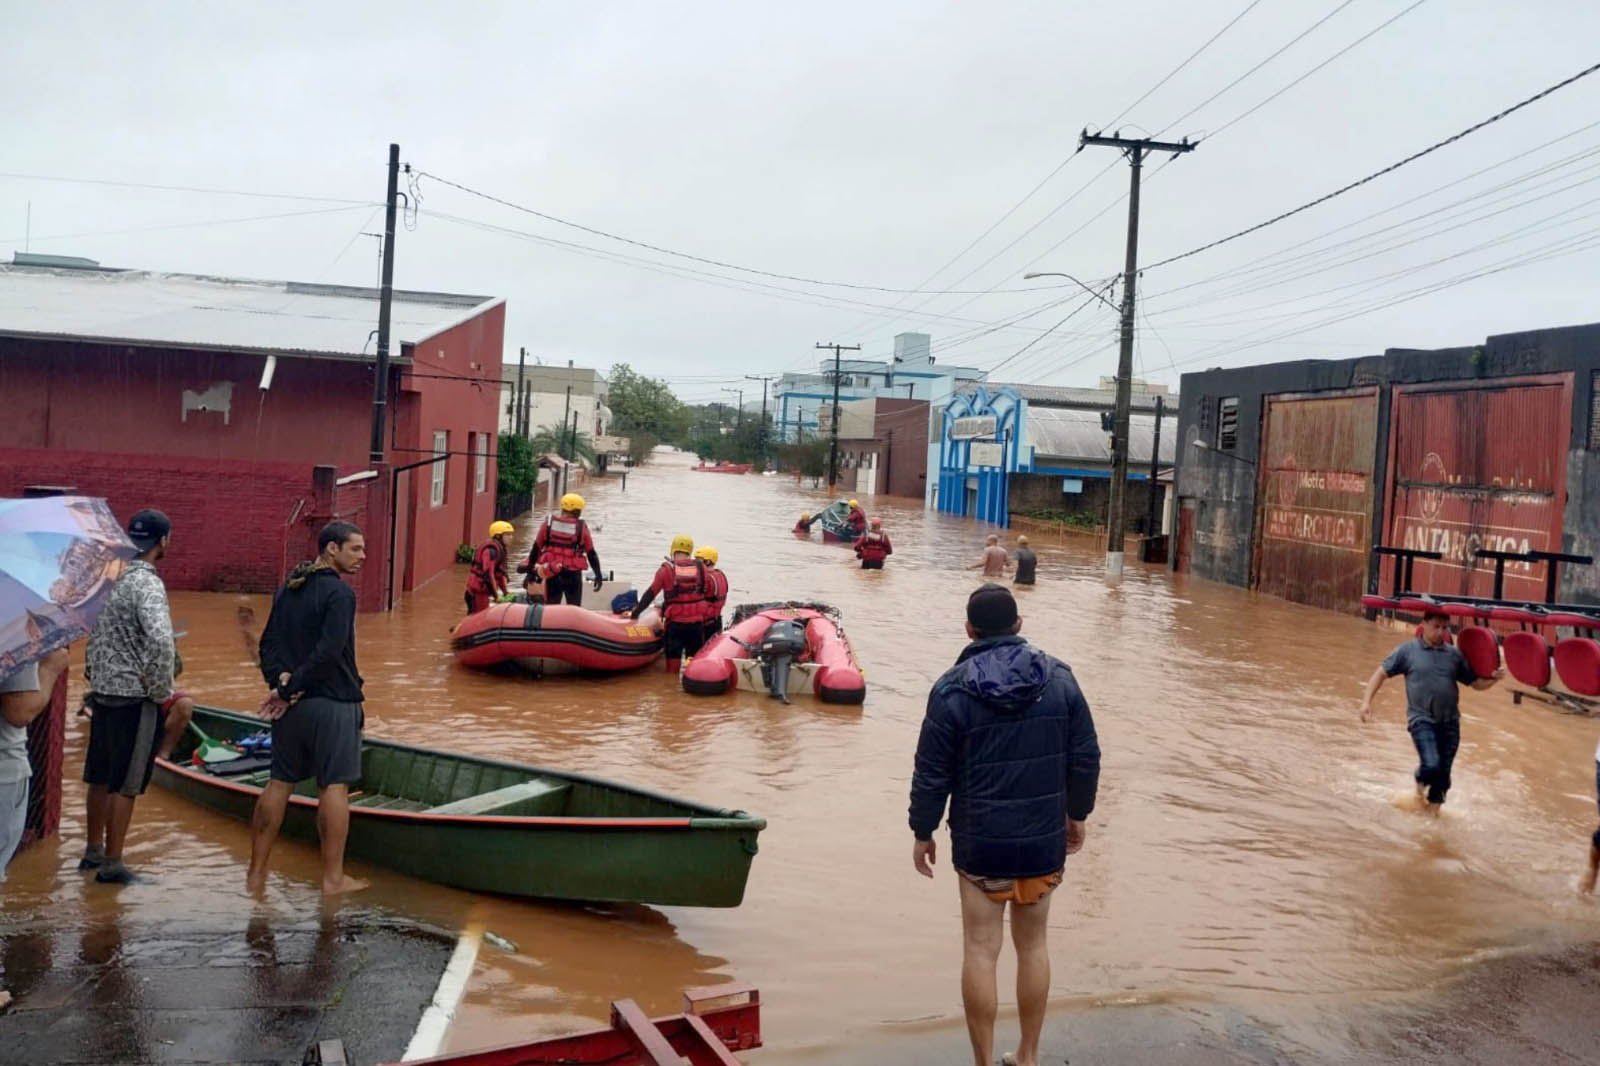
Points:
x=244 y=410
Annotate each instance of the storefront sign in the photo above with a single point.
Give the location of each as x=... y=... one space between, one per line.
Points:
x=985 y=453
x=973 y=426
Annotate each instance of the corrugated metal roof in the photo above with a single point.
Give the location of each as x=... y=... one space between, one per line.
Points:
x=1066 y=433
x=1065 y=395
x=141 y=307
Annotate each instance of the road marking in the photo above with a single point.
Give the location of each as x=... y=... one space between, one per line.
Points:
x=427 y=1041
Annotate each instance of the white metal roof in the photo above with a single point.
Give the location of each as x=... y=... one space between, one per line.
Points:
x=140 y=307
x=1068 y=433
x=1066 y=395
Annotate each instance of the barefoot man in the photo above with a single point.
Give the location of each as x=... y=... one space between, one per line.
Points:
x=1008 y=740
x=308 y=657
x=1433 y=668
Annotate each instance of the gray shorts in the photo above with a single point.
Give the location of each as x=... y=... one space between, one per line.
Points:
x=318 y=738
x=13 y=820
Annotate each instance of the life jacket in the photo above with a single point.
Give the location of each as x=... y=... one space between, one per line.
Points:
x=688 y=597
x=874 y=546
x=489 y=560
x=856 y=519
x=718 y=592
x=563 y=543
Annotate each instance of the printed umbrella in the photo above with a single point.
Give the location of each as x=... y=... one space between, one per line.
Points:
x=59 y=556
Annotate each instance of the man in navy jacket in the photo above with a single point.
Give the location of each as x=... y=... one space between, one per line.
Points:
x=1009 y=741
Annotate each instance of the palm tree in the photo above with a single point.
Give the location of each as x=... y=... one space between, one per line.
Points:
x=564 y=443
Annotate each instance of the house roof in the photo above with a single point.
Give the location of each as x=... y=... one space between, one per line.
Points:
x=1068 y=396
x=1068 y=433
x=149 y=308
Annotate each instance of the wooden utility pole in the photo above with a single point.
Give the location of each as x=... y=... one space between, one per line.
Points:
x=380 y=382
x=833 y=448
x=763 y=380
x=1150 y=528
x=516 y=420
x=1135 y=150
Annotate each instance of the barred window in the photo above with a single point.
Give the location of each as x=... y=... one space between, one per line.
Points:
x=1594 y=412
x=1228 y=423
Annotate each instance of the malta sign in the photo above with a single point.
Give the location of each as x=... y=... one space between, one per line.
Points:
x=973 y=426
x=985 y=453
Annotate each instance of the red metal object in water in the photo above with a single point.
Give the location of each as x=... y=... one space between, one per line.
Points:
x=722 y=468
x=714 y=1024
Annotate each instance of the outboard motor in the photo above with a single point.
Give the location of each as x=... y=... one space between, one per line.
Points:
x=780 y=645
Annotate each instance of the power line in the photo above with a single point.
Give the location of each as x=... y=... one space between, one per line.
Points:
x=186 y=225
x=185 y=188
x=1192 y=57
x=1391 y=168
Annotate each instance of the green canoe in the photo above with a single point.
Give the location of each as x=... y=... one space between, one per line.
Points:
x=492 y=826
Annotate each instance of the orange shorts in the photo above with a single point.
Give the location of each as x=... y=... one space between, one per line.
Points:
x=1023 y=890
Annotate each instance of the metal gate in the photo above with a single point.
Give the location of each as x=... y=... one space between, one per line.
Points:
x=1313 y=519
x=1479 y=465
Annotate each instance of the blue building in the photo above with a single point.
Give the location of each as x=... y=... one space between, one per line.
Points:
x=804 y=401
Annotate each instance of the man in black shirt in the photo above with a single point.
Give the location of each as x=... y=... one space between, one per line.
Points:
x=308 y=658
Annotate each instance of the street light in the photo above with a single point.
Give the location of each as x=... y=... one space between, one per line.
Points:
x=1075 y=281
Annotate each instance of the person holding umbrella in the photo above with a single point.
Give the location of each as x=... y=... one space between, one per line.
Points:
x=23 y=696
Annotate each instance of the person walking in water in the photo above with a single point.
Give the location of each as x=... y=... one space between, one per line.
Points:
x=1008 y=739
x=1433 y=667
x=136 y=712
x=24 y=695
x=488 y=578
x=718 y=590
x=308 y=658
x=686 y=600
x=1026 y=562
x=993 y=561
x=561 y=547
x=873 y=548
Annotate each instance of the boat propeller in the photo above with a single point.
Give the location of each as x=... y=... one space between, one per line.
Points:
x=782 y=643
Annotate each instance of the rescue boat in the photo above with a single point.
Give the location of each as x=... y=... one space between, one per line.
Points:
x=835 y=530
x=781 y=649
x=723 y=467
x=557 y=638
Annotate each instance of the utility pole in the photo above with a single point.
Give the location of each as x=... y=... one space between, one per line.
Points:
x=833 y=449
x=566 y=413
x=380 y=376
x=1136 y=150
x=522 y=363
x=738 y=417
x=1155 y=468
x=763 y=380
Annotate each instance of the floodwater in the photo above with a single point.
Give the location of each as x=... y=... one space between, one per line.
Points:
x=1253 y=842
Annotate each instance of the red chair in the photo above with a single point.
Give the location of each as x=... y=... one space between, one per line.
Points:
x=1578 y=663
x=1481 y=649
x=1527 y=656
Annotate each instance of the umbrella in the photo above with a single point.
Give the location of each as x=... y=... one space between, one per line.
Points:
x=59 y=556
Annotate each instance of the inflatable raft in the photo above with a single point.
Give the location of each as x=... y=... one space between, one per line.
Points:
x=782 y=649
x=723 y=467
x=557 y=639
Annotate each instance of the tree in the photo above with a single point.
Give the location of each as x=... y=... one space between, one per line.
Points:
x=808 y=458
x=517 y=472
x=553 y=439
x=645 y=410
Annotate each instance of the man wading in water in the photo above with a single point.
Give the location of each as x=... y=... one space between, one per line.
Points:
x=1009 y=740
x=1433 y=668
x=308 y=657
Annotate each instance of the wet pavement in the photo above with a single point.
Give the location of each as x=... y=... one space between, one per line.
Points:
x=249 y=988
x=1256 y=852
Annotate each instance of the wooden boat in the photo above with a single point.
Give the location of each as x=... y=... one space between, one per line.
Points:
x=715 y=1022
x=835 y=530
x=811 y=657
x=487 y=825
x=557 y=638
x=723 y=467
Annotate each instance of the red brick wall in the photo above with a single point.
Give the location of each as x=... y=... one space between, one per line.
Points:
x=230 y=519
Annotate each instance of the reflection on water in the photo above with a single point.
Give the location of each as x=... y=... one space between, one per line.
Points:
x=1247 y=840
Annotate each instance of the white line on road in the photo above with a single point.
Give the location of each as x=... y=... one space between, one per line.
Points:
x=435 y=1024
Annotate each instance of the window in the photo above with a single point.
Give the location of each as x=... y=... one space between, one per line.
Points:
x=1228 y=423
x=441 y=446
x=1594 y=413
x=481 y=479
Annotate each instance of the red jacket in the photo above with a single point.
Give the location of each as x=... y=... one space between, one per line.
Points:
x=856 y=519
x=685 y=589
x=562 y=543
x=874 y=546
x=488 y=573
x=718 y=590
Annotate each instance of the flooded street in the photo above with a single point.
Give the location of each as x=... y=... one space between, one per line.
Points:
x=1253 y=842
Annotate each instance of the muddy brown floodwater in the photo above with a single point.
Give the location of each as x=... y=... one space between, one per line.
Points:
x=1252 y=842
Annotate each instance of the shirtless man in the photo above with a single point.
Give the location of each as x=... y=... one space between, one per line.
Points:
x=995 y=561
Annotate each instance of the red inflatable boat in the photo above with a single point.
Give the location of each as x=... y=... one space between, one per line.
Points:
x=782 y=649
x=557 y=638
x=723 y=467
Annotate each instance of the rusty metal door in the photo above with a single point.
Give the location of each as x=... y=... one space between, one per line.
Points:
x=1480 y=465
x=1185 y=535
x=1313 y=522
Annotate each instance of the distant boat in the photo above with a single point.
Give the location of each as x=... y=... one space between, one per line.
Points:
x=723 y=468
x=487 y=825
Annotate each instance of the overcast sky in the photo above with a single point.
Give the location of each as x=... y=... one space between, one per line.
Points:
x=866 y=142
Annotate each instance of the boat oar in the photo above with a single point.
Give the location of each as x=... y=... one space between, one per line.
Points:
x=212 y=750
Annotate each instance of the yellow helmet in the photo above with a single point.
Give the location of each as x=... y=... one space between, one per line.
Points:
x=707 y=553
x=805 y=516
x=853 y=503
x=572 y=502
x=498 y=528
x=682 y=543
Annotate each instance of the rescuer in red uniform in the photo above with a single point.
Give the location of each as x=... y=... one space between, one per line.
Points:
x=874 y=547
x=856 y=520
x=487 y=578
x=803 y=527
x=719 y=587
x=561 y=547
x=686 y=603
